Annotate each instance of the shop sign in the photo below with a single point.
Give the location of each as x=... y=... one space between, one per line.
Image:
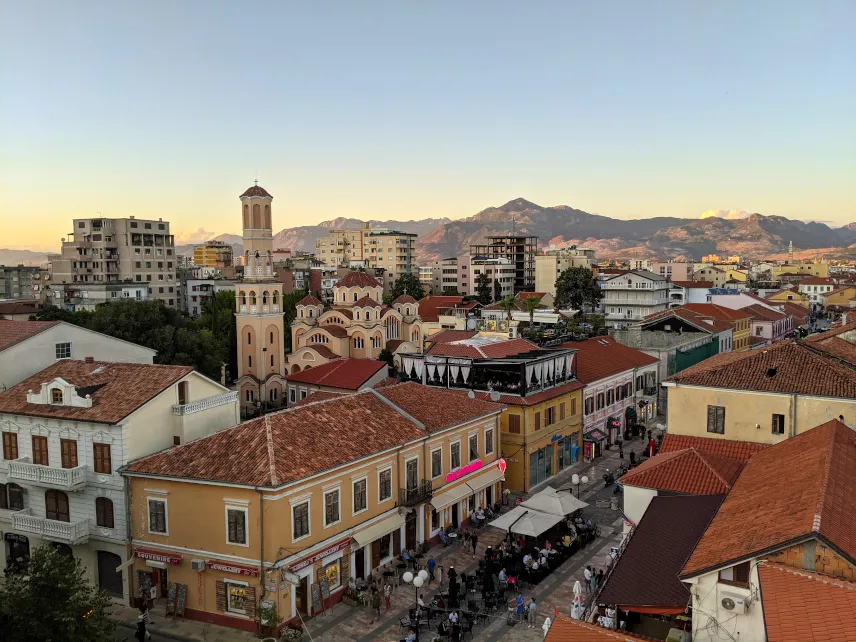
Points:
x=157 y=556
x=248 y=571
x=501 y=465
x=320 y=555
x=464 y=470
x=556 y=438
x=16 y=539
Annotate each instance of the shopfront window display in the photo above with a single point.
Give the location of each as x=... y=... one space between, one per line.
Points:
x=236 y=594
x=331 y=572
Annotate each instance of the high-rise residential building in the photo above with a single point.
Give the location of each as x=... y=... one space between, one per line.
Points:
x=426 y=274
x=19 y=282
x=258 y=311
x=214 y=254
x=114 y=251
x=460 y=274
x=368 y=247
x=520 y=250
x=550 y=264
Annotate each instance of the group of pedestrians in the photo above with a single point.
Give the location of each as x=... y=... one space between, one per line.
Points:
x=593 y=578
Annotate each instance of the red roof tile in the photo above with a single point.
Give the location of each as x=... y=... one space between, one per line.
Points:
x=320 y=395
x=790 y=367
x=817 y=280
x=497 y=350
x=785 y=593
x=255 y=190
x=20 y=307
x=804 y=486
x=800 y=313
x=690 y=471
x=309 y=300
x=324 y=351
x=564 y=629
x=706 y=285
x=437 y=408
x=700 y=321
x=333 y=330
x=117 y=389
x=366 y=302
x=763 y=313
x=429 y=307
x=602 y=357
x=357 y=280
x=447 y=336
x=729 y=448
x=349 y=374
x=12 y=332
x=716 y=311
x=404 y=298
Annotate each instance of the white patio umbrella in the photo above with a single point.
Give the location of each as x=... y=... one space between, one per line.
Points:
x=578 y=608
x=554 y=502
x=526 y=521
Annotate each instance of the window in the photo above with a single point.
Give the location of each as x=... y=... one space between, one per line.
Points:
x=249 y=361
x=56 y=506
x=40 y=451
x=610 y=397
x=292 y=395
x=778 y=424
x=561 y=411
x=300 y=517
x=360 y=496
x=11 y=497
x=436 y=463
x=738 y=575
x=250 y=396
x=63 y=351
x=157 y=516
x=10 y=446
x=589 y=405
x=331 y=507
x=102 y=462
x=182 y=392
x=331 y=572
x=455 y=454
x=104 y=512
x=236 y=526
x=435 y=520
x=573 y=406
x=514 y=424
x=56 y=396
x=488 y=442
x=411 y=474
x=474 y=447
x=600 y=400
x=68 y=453
x=537 y=420
x=550 y=416
x=716 y=419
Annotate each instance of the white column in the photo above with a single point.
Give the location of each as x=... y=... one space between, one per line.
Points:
x=402 y=537
x=420 y=525
x=367 y=561
x=353 y=564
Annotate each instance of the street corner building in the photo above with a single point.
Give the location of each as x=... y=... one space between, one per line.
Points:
x=67 y=430
x=277 y=513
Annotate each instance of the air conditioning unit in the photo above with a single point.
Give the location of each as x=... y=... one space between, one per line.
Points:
x=197 y=565
x=733 y=602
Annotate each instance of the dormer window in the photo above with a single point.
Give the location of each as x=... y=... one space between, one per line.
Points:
x=56 y=396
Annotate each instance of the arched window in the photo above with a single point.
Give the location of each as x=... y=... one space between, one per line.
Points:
x=249 y=338
x=310 y=313
x=56 y=506
x=271 y=337
x=267 y=217
x=355 y=296
x=246 y=216
x=56 y=395
x=252 y=297
x=359 y=343
x=104 y=512
x=407 y=310
x=257 y=217
x=275 y=298
x=243 y=298
x=301 y=313
x=357 y=315
x=265 y=297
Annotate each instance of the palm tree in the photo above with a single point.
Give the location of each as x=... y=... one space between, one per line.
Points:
x=530 y=304
x=509 y=304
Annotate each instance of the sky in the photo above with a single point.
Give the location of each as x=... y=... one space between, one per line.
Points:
x=406 y=110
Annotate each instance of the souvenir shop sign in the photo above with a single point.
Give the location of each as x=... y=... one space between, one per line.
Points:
x=320 y=555
x=237 y=569
x=464 y=470
x=158 y=556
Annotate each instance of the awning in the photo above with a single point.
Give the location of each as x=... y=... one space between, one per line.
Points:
x=379 y=529
x=449 y=497
x=525 y=521
x=485 y=479
x=595 y=434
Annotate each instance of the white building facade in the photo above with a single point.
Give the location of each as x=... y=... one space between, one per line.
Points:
x=628 y=298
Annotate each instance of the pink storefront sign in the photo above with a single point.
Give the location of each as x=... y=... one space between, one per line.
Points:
x=464 y=470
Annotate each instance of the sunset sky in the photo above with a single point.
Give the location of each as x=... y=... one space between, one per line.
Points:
x=422 y=109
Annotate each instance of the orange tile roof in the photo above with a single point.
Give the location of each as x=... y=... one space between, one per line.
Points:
x=320 y=395
x=798 y=311
x=804 y=486
x=12 y=332
x=366 y=302
x=446 y=336
x=716 y=311
x=309 y=300
x=785 y=594
x=324 y=351
x=356 y=280
x=763 y=313
x=404 y=298
x=437 y=408
x=789 y=367
x=498 y=350
x=689 y=471
x=728 y=448
x=333 y=330
x=694 y=284
x=349 y=374
x=817 y=280
x=429 y=307
x=700 y=321
x=120 y=389
x=602 y=357
x=565 y=629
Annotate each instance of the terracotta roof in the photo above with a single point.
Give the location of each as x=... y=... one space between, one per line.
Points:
x=694 y=284
x=345 y=312
x=837 y=291
x=531 y=400
x=646 y=574
x=702 y=322
x=12 y=332
x=357 y=280
x=349 y=374
x=309 y=300
x=429 y=306
x=788 y=366
x=763 y=313
x=117 y=389
x=385 y=383
x=526 y=295
x=255 y=190
x=324 y=351
x=799 y=312
x=289 y=445
x=804 y=486
x=320 y=395
x=716 y=311
x=689 y=471
x=437 y=408
x=498 y=350
x=729 y=448
x=20 y=307
x=817 y=280
x=820 y=337
x=602 y=357
x=785 y=593
x=393 y=344
x=447 y=336
x=564 y=629
x=333 y=330
x=404 y=298
x=366 y=302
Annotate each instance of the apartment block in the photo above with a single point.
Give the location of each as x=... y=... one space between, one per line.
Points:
x=19 y=282
x=550 y=264
x=375 y=247
x=117 y=251
x=674 y=270
x=520 y=250
x=214 y=254
x=631 y=296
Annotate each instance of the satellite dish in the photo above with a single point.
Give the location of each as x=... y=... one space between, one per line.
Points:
x=494 y=396
x=471 y=394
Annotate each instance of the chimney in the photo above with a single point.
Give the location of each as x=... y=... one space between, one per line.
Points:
x=88 y=360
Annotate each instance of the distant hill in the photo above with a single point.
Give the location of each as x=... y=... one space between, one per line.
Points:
x=19 y=257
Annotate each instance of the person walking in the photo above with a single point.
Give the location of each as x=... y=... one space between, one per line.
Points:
x=375 y=605
x=600 y=577
x=452 y=574
x=431 y=564
x=387 y=594
x=143 y=619
x=440 y=576
x=587 y=574
x=474 y=540
x=531 y=612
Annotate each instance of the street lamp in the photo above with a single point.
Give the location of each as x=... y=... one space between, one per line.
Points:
x=417 y=580
x=576 y=480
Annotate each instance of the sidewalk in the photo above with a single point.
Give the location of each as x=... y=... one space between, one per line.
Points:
x=178 y=629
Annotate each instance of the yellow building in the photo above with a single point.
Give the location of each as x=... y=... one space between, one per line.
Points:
x=788 y=296
x=373 y=248
x=767 y=396
x=740 y=320
x=733 y=274
x=214 y=254
x=839 y=296
x=715 y=275
x=283 y=509
x=809 y=269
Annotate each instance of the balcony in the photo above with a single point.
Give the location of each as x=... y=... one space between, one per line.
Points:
x=24 y=471
x=66 y=532
x=204 y=404
x=415 y=496
x=650 y=391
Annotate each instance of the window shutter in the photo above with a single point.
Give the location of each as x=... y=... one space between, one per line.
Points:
x=250 y=603
x=537 y=421
x=221 y=597
x=741 y=573
x=711 y=418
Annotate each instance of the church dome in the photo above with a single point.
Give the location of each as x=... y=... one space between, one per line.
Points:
x=255 y=190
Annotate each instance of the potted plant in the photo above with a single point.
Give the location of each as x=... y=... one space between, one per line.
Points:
x=269 y=619
x=291 y=635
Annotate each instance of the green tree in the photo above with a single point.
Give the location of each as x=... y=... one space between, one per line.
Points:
x=386 y=355
x=218 y=317
x=407 y=283
x=508 y=305
x=577 y=287
x=53 y=601
x=497 y=290
x=483 y=289
x=530 y=304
